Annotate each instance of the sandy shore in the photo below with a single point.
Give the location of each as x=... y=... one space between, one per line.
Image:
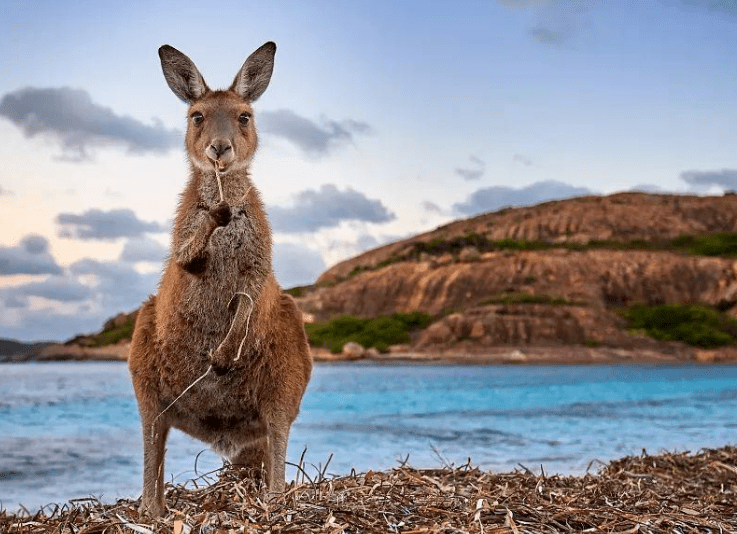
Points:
x=557 y=355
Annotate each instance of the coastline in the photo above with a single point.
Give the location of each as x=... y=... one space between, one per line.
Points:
x=669 y=354
x=555 y=355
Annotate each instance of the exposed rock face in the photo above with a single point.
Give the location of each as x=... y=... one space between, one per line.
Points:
x=594 y=279
x=480 y=328
x=620 y=217
x=569 y=297
x=73 y=351
x=353 y=351
x=469 y=254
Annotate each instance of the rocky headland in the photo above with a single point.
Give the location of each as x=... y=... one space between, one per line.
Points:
x=548 y=281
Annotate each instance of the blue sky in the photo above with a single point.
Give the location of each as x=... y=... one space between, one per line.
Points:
x=383 y=119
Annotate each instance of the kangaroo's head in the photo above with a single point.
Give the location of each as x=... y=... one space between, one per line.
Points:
x=221 y=133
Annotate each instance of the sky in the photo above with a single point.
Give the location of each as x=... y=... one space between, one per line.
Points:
x=383 y=119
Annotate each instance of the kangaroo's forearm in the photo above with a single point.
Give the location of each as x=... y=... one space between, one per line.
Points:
x=192 y=255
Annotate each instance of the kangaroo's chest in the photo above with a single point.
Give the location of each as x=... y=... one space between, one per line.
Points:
x=238 y=262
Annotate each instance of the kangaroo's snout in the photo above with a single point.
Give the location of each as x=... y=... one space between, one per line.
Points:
x=220 y=152
x=218 y=148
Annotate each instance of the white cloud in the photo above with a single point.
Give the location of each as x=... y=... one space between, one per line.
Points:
x=76 y=301
x=558 y=22
x=474 y=171
x=497 y=197
x=30 y=256
x=143 y=249
x=118 y=285
x=325 y=208
x=703 y=180
x=55 y=288
x=71 y=117
x=99 y=224
x=431 y=207
x=311 y=137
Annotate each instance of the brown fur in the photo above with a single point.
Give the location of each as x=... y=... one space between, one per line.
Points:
x=243 y=408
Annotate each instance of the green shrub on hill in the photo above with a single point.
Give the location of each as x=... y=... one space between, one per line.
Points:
x=721 y=244
x=454 y=245
x=694 y=324
x=297 y=291
x=379 y=332
x=609 y=244
x=516 y=244
x=724 y=244
x=525 y=298
x=438 y=246
x=110 y=337
x=111 y=333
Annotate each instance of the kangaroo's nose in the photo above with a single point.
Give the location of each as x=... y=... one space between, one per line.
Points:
x=220 y=147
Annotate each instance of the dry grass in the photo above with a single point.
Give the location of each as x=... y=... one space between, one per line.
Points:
x=648 y=494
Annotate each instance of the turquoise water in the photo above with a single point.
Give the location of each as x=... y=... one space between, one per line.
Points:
x=71 y=430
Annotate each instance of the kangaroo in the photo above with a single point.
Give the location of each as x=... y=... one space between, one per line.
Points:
x=219 y=352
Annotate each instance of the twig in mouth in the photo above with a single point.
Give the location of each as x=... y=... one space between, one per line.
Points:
x=220 y=185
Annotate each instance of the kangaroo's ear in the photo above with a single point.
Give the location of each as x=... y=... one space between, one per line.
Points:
x=255 y=74
x=182 y=75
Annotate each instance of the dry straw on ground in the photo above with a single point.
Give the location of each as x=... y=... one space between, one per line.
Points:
x=674 y=493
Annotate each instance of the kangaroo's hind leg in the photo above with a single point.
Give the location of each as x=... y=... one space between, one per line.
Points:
x=253 y=459
x=154 y=446
x=277 y=452
x=266 y=457
x=154 y=426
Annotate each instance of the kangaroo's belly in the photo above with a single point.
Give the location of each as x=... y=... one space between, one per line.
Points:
x=218 y=411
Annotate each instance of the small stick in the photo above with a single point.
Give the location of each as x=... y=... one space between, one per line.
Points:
x=245 y=196
x=220 y=185
x=179 y=397
x=232 y=324
x=248 y=321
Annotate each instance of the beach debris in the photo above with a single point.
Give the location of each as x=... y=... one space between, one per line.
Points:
x=671 y=492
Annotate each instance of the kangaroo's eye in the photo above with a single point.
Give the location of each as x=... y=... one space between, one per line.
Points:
x=197 y=117
x=243 y=118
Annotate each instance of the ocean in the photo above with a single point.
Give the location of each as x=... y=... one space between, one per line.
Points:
x=71 y=430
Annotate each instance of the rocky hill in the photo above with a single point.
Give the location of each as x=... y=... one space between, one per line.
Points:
x=622 y=218
x=14 y=351
x=552 y=282
x=555 y=274
x=110 y=343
